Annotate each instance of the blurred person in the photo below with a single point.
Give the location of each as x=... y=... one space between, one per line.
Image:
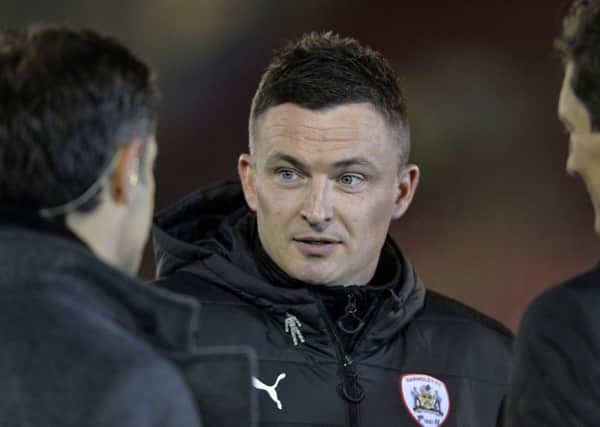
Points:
x=556 y=378
x=84 y=343
x=297 y=262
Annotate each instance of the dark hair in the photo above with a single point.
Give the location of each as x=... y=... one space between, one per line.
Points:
x=323 y=70
x=579 y=43
x=68 y=100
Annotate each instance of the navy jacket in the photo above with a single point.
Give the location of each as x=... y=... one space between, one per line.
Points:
x=420 y=359
x=82 y=344
x=556 y=378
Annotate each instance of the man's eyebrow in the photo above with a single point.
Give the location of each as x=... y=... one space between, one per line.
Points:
x=281 y=157
x=354 y=161
x=341 y=164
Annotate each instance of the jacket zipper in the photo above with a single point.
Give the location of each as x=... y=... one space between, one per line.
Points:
x=349 y=389
x=368 y=318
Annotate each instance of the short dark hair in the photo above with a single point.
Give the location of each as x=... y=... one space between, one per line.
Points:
x=579 y=43
x=68 y=99
x=323 y=70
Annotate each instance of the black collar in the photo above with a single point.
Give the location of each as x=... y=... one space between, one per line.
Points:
x=17 y=217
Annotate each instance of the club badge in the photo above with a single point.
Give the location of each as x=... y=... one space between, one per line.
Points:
x=426 y=398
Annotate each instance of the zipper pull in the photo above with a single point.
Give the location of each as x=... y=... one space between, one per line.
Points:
x=350 y=315
x=348 y=361
x=350 y=389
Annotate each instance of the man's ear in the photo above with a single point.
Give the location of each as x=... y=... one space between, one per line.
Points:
x=248 y=179
x=125 y=177
x=408 y=179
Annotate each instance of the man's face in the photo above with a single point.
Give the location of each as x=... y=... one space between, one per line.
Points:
x=325 y=185
x=584 y=144
x=140 y=206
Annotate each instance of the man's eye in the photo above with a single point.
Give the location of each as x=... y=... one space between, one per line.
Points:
x=287 y=175
x=351 y=180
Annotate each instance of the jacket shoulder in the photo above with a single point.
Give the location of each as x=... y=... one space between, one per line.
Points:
x=443 y=308
x=474 y=345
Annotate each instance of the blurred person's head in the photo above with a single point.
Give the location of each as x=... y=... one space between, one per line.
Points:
x=579 y=102
x=328 y=165
x=77 y=126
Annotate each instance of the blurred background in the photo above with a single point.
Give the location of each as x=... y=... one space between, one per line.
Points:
x=495 y=220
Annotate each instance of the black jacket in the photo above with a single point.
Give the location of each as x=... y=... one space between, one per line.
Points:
x=82 y=344
x=556 y=378
x=206 y=246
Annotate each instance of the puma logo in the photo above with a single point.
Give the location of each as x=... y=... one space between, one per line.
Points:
x=270 y=389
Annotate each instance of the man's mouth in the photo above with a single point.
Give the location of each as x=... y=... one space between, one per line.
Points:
x=316 y=246
x=317 y=240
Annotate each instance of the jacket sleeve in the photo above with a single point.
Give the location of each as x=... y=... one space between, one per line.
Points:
x=556 y=374
x=148 y=396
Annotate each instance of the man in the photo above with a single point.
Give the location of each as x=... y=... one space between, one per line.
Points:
x=297 y=262
x=83 y=343
x=556 y=378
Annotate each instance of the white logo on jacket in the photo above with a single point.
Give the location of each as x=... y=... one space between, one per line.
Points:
x=270 y=389
x=426 y=398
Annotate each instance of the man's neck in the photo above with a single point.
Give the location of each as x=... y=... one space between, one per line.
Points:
x=98 y=229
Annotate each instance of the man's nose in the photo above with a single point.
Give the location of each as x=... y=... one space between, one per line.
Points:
x=317 y=210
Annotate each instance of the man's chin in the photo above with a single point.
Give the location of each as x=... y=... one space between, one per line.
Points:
x=312 y=277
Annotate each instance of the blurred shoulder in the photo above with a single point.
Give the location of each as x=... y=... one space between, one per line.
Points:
x=574 y=301
x=94 y=371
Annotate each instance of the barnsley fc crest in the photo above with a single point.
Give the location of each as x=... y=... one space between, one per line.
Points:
x=426 y=399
